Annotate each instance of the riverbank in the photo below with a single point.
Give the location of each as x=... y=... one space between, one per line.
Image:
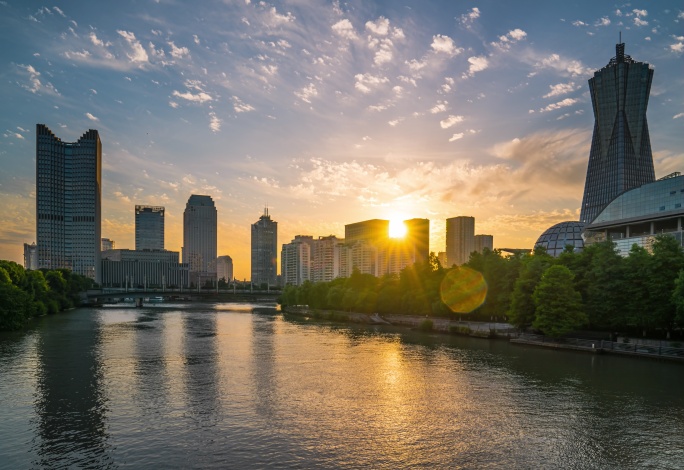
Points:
x=491 y=330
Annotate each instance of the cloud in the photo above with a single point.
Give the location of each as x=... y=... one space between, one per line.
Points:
x=241 y=107
x=555 y=62
x=605 y=21
x=379 y=27
x=139 y=55
x=278 y=18
x=58 y=10
x=579 y=23
x=677 y=47
x=450 y=121
x=639 y=16
x=91 y=117
x=677 y=116
x=456 y=137
x=307 y=93
x=345 y=29
x=97 y=41
x=560 y=89
x=444 y=44
x=477 y=64
x=467 y=19
x=366 y=82
x=561 y=104
x=507 y=40
x=214 y=122
x=200 y=97
x=35 y=85
x=196 y=39
x=178 y=52
x=440 y=107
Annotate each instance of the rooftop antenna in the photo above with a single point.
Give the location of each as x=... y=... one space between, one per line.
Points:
x=620 y=42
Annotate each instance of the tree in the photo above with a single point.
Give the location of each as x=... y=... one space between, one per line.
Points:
x=15 y=307
x=678 y=299
x=559 y=305
x=522 y=310
x=666 y=263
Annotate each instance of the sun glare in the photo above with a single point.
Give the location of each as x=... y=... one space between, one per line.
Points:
x=397 y=228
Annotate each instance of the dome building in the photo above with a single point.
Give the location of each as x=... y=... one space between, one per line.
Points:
x=556 y=238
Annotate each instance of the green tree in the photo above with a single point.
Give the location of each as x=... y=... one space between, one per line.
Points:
x=15 y=307
x=666 y=263
x=678 y=299
x=522 y=308
x=558 y=304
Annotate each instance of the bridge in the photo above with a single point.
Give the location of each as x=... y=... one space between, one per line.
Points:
x=96 y=296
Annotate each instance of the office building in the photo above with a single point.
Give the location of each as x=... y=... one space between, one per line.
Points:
x=144 y=269
x=107 y=244
x=295 y=260
x=638 y=215
x=199 y=239
x=460 y=239
x=30 y=256
x=265 y=251
x=482 y=242
x=327 y=259
x=441 y=257
x=417 y=239
x=149 y=228
x=620 y=158
x=224 y=268
x=558 y=237
x=68 y=199
x=374 y=231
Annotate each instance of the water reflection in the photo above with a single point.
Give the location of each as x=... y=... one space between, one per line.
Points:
x=70 y=405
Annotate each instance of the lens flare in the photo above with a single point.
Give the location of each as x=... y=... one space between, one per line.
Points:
x=463 y=289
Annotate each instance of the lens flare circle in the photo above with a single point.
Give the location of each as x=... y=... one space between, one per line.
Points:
x=463 y=289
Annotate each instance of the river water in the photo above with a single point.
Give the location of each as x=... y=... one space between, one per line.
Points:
x=242 y=386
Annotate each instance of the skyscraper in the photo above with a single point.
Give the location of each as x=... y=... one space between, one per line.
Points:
x=460 y=239
x=265 y=250
x=295 y=260
x=149 y=228
x=199 y=238
x=224 y=268
x=620 y=158
x=418 y=239
x=482 y=242
x=68 y=195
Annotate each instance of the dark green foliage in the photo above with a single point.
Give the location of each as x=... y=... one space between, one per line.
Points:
x=24 y=294
x=559 y=305
x=678 y=299
x=426 y=325
x=521 y=312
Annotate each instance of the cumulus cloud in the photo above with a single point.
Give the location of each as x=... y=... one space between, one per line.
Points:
x=379 y=27
x=200 y=97
x=450 y=121
x=560 y=89
x=507 y=40
x=561 y=104
x=477 y=64
x=456 y=137
x=440 y=107
x=677 y=47
x=345 y=29
x=444 y=44
x=605 y=21
x=91 y=117
x=467 y=19
x=307 y=93
x=138 y=54
x=178 y=52
x=555 y=62
x=97 y=41
x=677 y=116
x=639 y=16
x=366 y=82
x=214 y=122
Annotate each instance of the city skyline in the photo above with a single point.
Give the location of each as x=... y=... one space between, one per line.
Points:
x=376 y=111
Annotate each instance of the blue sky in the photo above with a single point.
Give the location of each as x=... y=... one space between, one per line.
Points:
x=329 y=112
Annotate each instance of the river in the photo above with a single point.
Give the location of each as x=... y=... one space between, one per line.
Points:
x=242 y=386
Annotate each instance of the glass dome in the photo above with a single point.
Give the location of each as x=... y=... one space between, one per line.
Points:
x=555 y=238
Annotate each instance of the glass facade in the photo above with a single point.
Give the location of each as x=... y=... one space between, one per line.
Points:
x=200 y=238
x=460 y=239
x=149 y=228
x=556 y=238
x=640 y=214
x=265 y=251
x=620 y=157
x=68 y=201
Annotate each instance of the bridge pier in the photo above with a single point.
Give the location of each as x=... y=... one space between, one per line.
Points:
x=139 y=302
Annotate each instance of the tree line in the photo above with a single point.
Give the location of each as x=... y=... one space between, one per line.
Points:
x=25 y=294
x=594 y=289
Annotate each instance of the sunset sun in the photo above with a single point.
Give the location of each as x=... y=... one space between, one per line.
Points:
x=397 y=228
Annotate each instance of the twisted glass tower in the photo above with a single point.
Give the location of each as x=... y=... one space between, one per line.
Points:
x=620 y=157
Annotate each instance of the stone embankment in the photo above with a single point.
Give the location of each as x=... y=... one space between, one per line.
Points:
x=442 y=325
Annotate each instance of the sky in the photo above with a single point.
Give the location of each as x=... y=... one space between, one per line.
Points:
x=329 y=113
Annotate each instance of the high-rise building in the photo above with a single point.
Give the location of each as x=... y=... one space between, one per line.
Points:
x=482 y=242
x=460 y=239
x=68 y=197
x=107 y=244
x=149 y=228
x=265 y=251
x=143 y=268
x=199 y=239
x=30 y=256
x=620 y=158
x=417 y=239
x=224 y=268
x=327 y=259
x=441 y=257
x=374 y=231
x=295 y=260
